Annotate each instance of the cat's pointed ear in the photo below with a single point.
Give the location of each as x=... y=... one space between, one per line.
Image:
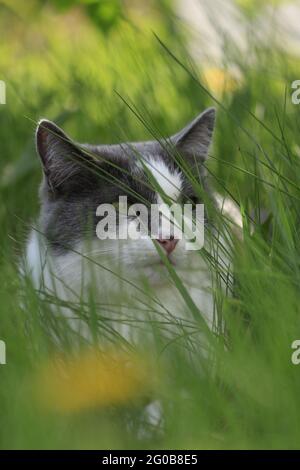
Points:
x=62 y=159
x=194 y=140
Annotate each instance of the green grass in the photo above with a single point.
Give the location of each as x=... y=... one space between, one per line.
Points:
x=90 y=83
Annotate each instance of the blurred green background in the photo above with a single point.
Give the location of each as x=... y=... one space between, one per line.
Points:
x=81 y=63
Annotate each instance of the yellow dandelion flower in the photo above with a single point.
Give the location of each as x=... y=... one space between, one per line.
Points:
x=219 y=81
x=68 y=384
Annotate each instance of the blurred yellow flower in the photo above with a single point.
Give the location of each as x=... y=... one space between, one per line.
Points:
x=219 y=81
x=93 y=378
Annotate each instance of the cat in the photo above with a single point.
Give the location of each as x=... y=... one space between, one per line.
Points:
x=64 y=257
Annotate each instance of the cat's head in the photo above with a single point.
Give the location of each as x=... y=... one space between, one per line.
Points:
x=78 y=178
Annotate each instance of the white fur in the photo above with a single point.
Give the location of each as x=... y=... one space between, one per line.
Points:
x=169 y=182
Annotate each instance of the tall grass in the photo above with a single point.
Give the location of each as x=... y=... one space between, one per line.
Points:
x=129 y=85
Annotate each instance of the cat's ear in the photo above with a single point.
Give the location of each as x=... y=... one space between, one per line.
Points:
x=194 y=140
x=62 y=158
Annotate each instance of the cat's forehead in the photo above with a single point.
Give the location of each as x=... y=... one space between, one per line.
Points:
x=168 y=178
x=148 y=160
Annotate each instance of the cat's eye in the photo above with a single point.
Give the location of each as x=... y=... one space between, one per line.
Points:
x=193 y=200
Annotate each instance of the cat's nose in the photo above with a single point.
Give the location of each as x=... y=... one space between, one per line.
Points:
x=168 y=244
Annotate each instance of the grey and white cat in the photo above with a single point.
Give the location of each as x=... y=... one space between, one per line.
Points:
x=64 y=256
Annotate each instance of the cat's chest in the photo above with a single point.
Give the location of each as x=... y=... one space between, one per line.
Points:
x=141 y=294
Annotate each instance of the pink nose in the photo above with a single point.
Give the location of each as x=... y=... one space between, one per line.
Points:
x=169 y=244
